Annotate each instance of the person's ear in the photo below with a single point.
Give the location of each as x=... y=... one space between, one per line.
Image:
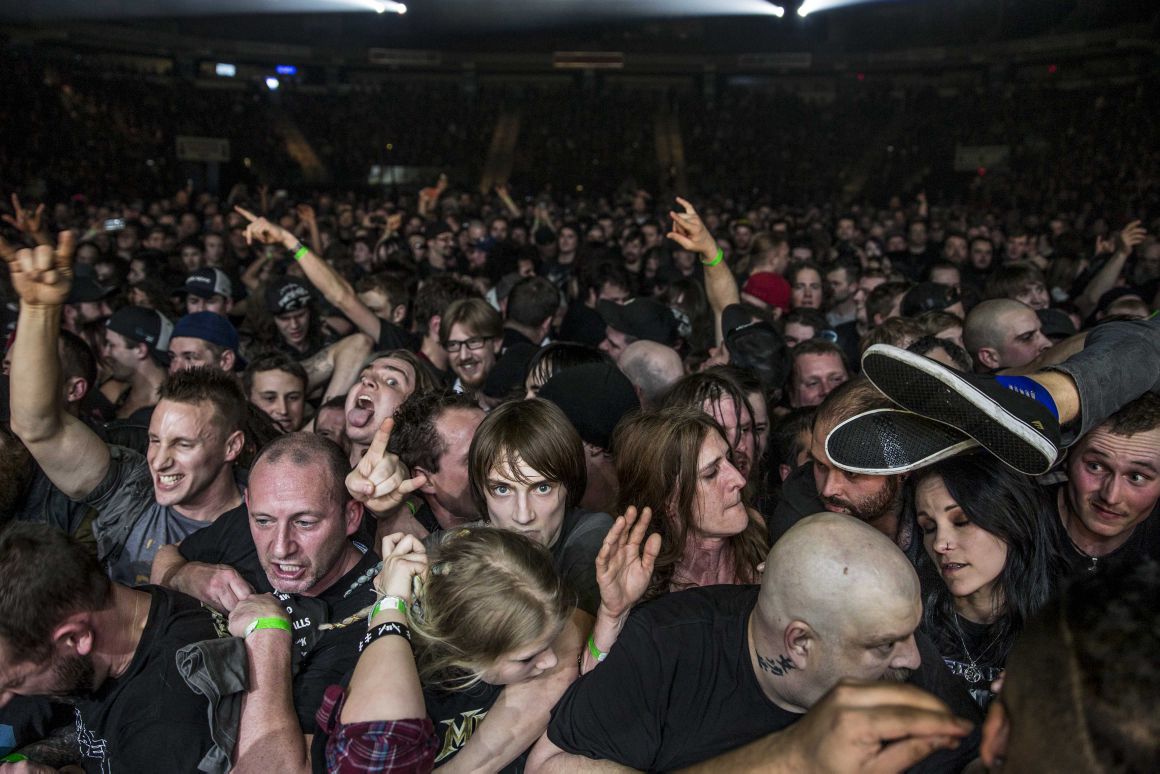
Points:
x=799 y=641
x=234 y=445
x=497 y=345
x=989 y=357
x=227 y=360
x=783 y=471
x=141 y=351
x=398 y=314
x=75 y=389
x=353 y=516
x=74 y=636
x=434 y=326
x=427 y=487
x=996 y=734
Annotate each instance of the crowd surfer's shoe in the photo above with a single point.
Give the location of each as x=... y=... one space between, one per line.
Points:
x=1011 y=417
x=885 y=442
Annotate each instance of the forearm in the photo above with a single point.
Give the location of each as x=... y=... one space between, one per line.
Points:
x=350 y=355
x=166 y=564
x=269 y=737
x=251 y=278
x=1104 y=281
x=768 y=755
x=385 y=684
x=521 y=714
x=553 y=760
x=721 y=290
x=604 y=634
x=58 y=749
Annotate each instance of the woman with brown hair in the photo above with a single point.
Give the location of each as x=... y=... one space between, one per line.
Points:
x=677 y=463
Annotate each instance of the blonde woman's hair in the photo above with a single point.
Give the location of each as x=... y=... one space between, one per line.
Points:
x=488 y=592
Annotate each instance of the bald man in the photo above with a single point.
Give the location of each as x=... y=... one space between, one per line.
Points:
x=699 y=673
x=652 y=368
x=1003 y=333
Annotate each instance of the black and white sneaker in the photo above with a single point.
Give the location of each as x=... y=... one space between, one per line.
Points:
x=1013 y=426
x=885 y=442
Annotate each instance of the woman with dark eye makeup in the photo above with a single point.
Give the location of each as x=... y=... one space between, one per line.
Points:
x=994 y=541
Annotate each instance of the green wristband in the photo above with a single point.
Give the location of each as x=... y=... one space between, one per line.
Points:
x=387 y=603
x=594 y=651
x=13 y=758
x=301 y=252
x=715 y=261
x=268 y=623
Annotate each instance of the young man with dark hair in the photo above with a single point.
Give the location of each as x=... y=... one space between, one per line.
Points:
x=1020 y=282
x=205 y=340
x=819 y=367
x=187 y=479
x=276 y=384
x=885 y=301
x=69 y=633
x=432 y=435
x=136 y=340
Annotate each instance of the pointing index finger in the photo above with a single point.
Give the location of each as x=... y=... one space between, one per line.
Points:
x=245 y=213
x=378 y=445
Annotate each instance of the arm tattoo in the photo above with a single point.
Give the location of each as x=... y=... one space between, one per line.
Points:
x=57 y=750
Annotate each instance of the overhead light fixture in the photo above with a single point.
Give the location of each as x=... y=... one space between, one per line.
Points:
x=805 y=9
x=225 y=70
x=272 y=83
x=382 y=6
x=778 y=11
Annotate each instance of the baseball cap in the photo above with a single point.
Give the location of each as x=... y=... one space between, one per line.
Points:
x=594 y=397
x=139 y=324
x=507 y=375
x=644 y=318
x=286 y=295
x=769 y=287
x=208 y=282
x=927 y=297
x=211 y=327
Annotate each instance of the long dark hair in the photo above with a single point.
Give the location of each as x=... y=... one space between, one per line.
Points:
x=1013 y=508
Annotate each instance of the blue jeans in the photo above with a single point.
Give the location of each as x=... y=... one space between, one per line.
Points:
x=1120 y=362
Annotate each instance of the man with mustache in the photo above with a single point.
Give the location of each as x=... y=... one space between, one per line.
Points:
x=472 y=334
x=698 y=673
x=1109 y=501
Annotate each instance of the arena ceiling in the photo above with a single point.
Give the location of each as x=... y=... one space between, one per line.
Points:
x=626 y=25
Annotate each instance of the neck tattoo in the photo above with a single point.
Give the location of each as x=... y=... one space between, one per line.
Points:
x=779 y=668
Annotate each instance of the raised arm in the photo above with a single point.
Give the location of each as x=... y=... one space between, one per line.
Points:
x=330 y=283
x=720 y=285
x=1105 y=279
x=71 y=454
x=269 y=736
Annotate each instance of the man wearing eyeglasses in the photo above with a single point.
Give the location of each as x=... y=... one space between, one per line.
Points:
x=471 y=331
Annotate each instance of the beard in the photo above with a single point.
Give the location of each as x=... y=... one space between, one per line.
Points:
x=75 y=676
x=872 y=508
x=900 y=675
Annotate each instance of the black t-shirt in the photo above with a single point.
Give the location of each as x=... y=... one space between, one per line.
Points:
x=973 y=655
x=321 y=657
x=457 y=714
x=678 y=688
x=148 y=719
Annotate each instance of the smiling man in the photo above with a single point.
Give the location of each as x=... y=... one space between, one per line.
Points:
x=187 y=479
x=471 y=333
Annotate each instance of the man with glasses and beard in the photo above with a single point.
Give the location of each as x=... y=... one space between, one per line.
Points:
x=69 y=633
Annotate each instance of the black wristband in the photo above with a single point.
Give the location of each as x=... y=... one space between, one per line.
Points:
x=391 y=628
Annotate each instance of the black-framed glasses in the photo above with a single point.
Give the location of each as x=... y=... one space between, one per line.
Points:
x=474 y=343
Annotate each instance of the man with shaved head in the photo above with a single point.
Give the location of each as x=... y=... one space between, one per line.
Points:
x=1003 y=333
x=699 y=673
x=652 y=368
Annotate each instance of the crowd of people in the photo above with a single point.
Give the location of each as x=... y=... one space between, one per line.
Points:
x=343 y=482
